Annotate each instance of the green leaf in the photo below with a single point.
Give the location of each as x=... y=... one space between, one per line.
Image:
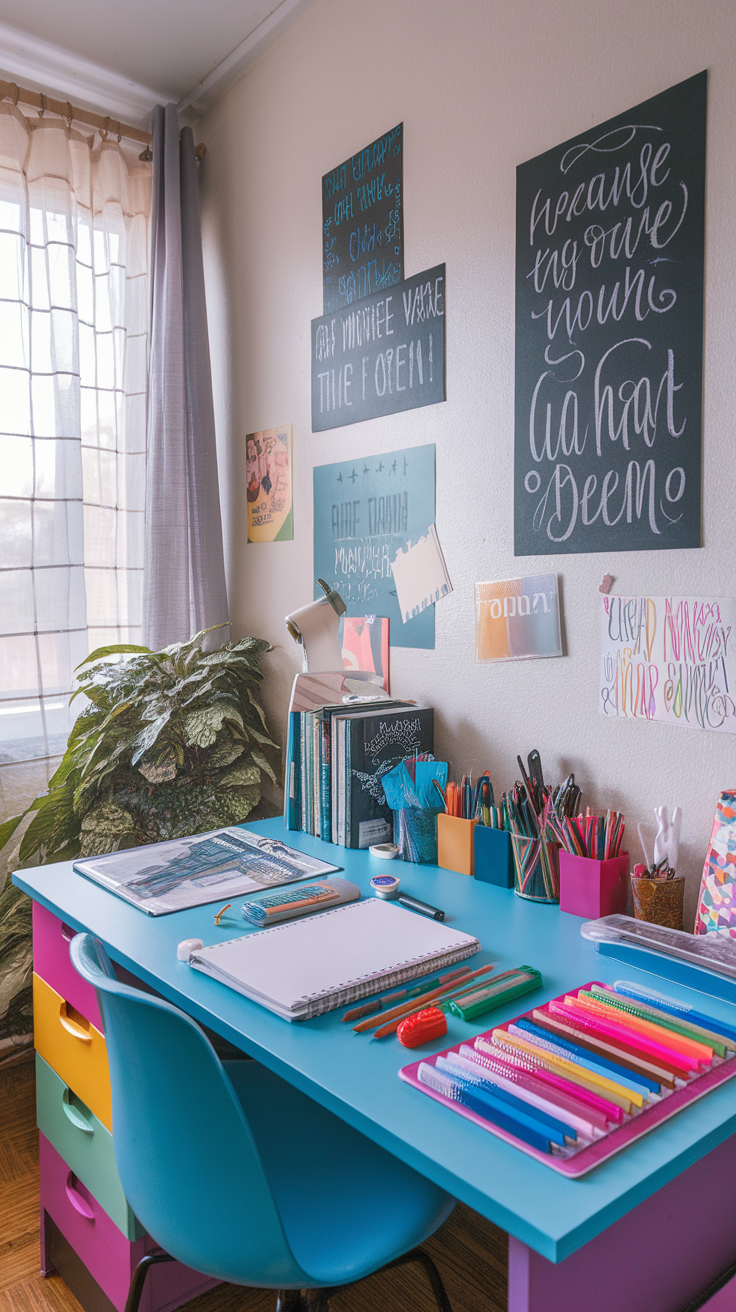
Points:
x=257 y=705
x=9 y=827
x=261 y=761
x=145 y=740
x=115 y=649
x=201 y=727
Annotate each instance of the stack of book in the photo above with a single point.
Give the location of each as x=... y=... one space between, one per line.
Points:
x=337 y=758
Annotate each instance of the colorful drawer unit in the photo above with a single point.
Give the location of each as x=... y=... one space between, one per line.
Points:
x=91 y=1253
x=84 y=1143
x=88 y=1232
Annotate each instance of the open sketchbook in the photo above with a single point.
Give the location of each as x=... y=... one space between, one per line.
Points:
x=189 y=872
x=307 y=967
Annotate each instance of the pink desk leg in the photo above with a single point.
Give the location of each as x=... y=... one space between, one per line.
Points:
x=655 y=1259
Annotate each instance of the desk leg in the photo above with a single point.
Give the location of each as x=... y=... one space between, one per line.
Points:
x=657 y=1258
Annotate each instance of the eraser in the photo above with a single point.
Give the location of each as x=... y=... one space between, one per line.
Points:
x=187 y=947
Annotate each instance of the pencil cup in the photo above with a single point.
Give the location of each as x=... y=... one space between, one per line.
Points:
x=536 y=869
x=660 y=901
x=592 y=888
x=494 y=863
x=455 y=843
x=415 y=834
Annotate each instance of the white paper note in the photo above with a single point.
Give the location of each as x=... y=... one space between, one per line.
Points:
x=420 y=575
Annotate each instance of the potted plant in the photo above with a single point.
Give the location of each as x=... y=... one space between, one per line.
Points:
x=170 y=743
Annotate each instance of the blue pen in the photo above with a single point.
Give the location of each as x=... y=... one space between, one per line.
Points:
x=594 y=1063
x=485 y=1105
x=674 y=1008
x=487 y=1082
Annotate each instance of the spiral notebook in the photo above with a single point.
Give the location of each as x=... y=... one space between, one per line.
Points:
x=306 y=967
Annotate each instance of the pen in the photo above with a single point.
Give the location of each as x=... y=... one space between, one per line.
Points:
x=406 y=1007
x=450 y=999
x=413 y=904
x=377 y=1004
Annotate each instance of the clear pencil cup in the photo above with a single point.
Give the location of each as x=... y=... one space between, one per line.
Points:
x=415 y=834
x=536 y=868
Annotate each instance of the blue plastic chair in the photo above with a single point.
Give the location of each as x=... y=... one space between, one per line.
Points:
x=237 y=1174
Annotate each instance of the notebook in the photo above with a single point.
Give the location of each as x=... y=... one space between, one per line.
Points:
x=306 y=967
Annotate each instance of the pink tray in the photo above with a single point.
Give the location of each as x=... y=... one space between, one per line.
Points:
x=611 y=1143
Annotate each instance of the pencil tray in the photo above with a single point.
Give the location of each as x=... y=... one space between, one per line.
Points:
x=536 y=868
x=591 y=888
x=455 y=843
x=493 y=859
x=583 y=1160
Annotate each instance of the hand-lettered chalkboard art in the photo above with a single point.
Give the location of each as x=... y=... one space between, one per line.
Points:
x=382 y=355
x=362 y=228
x=609 y=333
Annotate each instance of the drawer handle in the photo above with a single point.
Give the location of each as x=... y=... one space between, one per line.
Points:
x=74 y=1115
x=72 y=1027
x=79 y=1203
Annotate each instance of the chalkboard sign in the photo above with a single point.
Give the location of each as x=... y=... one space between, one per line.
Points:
x=609 y=333
x=383 y=355
x=362 y=228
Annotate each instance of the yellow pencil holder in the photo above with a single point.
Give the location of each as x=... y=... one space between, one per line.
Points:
x=455 y=843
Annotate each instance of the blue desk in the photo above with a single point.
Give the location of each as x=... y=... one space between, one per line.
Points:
x=586 y=1225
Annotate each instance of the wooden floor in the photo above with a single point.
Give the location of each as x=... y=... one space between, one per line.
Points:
x=470 y=1252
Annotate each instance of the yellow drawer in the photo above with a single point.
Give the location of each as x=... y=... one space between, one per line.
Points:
x=73 y=1048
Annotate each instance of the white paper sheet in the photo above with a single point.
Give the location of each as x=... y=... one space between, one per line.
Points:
x=420 y=575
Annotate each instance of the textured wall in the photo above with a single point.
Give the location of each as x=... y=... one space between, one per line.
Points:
x=480 y=86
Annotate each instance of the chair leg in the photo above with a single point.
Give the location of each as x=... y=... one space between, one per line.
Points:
x=288 y=1300
x=433 y=1275
x=139 y=1277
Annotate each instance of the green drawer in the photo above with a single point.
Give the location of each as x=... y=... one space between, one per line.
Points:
x=85 y=1145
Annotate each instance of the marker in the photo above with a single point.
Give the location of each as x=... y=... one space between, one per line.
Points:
x=424 y=909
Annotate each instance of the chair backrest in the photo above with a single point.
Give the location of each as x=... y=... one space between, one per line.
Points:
x=185 y=1154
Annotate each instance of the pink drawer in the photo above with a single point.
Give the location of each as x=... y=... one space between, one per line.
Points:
x=109 y=1257
x=51 y=939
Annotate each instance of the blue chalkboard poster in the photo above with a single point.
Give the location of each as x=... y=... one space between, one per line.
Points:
x=609 y=333
x=362 y=223
x=365 y=512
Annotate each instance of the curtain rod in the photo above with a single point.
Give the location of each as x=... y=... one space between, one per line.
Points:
x=42 y=102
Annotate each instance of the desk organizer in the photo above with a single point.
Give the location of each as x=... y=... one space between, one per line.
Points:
x=660 y=901
x=574 y=1161
x=88 y=1232
x=455 y=843
x=536 y=868
x=591 y=888
x=493 y=858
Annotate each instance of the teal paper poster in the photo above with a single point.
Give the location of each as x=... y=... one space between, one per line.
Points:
x=365 y=512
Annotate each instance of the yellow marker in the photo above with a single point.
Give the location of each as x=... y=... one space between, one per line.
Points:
x=617 y=1093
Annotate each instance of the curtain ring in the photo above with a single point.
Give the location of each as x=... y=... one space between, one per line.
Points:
x=104 y=131
x=69 y=114
x=42 y=109
x=14 y=93
x=119 y=132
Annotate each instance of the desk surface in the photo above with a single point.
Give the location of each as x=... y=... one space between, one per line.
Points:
x=357 y=1077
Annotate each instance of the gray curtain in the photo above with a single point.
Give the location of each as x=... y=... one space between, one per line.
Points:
x=184 y=573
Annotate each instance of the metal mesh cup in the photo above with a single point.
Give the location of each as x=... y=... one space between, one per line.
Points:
x=660 y=901
x=415 y=834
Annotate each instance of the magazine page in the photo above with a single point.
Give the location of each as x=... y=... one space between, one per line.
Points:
x=189 y=872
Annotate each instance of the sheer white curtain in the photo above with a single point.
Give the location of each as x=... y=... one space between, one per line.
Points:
x=74 y=310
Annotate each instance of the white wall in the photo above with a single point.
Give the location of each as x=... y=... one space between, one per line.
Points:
x=480 y=85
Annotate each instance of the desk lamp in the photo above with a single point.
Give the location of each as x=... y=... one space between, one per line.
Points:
x=316 y=627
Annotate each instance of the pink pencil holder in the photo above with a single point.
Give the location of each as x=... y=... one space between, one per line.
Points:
x=593 y=888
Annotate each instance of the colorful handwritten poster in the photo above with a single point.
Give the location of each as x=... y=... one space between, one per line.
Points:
x=517 y=619
x=610 y=231
x=365 y=512
x=670 y=659
x=268 y=478
x=362 y=232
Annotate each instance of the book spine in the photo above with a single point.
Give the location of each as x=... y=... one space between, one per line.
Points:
x=325 y=778
x=303 y=771
x=348 y=766
x=292 y=790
